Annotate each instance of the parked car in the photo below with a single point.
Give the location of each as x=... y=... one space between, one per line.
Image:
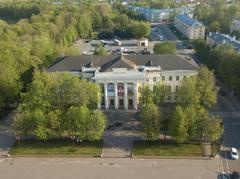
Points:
x=234 y=153
x=222 y=92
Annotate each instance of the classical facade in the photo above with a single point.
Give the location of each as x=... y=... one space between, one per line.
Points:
x=121 y=76
x=190 y=27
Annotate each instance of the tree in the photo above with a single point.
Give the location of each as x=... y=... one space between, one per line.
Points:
x=146 y=96
x=214 y=26
x=187 y=93
x=165 y=48
x=151 y=121
x=139 y=29
x=179 y=125
x=100 y=50
x=206 y=88
x=160 y=92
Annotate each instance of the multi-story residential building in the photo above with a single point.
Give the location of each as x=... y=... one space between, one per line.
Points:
x=161 y=15
x=216 y=39
x=120 y=76
x=190 y=27
x=235 y=26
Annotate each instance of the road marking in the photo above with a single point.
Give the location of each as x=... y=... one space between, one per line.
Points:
x=227 y=162
x=221 y=165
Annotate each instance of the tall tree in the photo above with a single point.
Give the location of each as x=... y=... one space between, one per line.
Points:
x=179 y=125
x=151 y=121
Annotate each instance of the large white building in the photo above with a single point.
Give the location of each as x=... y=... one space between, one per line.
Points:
x=120 y=76
x=190 y=27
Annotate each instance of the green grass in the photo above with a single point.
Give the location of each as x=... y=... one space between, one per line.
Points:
x=56 y=147
x=168 y=149
x=177 y=32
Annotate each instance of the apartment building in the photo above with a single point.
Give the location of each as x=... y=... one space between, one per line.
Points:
x=190 y=27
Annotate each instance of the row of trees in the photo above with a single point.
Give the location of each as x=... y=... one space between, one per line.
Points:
x=224 y=60
x=217 y=15
x=60 y=105
x=190 y=119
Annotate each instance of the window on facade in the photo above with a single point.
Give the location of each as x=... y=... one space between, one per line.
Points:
x=169 y=88
x=147 y=80
x=170 y=78
x=169 y=97
x=177 y=78
x=176 y=97
x=163 y=78
x=176 y=88
x=154 y=79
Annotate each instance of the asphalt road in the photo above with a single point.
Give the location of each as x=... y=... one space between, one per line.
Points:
x=107 y=168
x=231 y=138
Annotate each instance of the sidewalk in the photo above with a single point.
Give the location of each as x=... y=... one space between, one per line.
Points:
x=6 y=135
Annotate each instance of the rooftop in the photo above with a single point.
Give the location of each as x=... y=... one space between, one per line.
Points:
x=188 y=20
x=220 y=38
x=107 y=63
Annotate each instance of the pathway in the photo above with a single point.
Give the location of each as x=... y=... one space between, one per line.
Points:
x=123 y=129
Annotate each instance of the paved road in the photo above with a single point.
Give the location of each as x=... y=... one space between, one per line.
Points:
x=108 y=168
x=231 y=119
x=6 y=136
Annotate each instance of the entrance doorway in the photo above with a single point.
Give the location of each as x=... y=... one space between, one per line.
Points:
x=111 y=103
x=121 y=103
x=130 y=103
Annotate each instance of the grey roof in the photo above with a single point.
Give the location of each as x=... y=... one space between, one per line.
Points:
x=166 y=61
x=189 y=21
x=221 y=39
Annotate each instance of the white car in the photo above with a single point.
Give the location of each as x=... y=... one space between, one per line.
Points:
x=234 y=153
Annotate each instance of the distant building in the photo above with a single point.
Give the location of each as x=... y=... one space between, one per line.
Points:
x=190 y=27
x=161 y=15
x=217 y=39
x=235 y=26
x=121 y=76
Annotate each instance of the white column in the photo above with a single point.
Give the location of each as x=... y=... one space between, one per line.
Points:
x=125 y=96
x=106 y=96
x=115 y=96
x=135 y=95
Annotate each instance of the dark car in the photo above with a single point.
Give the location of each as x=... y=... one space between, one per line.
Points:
x=222 y=92
x=235 y=175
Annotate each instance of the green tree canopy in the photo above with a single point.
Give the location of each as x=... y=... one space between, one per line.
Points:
x=165 y=48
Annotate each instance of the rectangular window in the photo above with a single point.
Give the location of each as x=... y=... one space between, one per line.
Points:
x=163 y=78
x=154 y=79
x=170 y=78
x=177 y=78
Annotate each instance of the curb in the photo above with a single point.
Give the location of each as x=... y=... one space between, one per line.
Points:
x=166 y=157
x=53 y=156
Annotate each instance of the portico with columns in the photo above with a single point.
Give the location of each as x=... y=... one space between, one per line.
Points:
x=120 y=88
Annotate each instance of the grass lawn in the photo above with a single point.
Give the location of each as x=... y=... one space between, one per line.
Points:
x=56 y=147
x=170 y=149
